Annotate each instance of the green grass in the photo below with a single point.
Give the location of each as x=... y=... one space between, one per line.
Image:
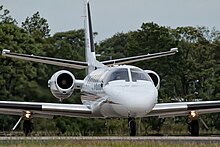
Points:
x=69 y=143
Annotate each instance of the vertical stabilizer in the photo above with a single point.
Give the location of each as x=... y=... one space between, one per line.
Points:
x=89 y=42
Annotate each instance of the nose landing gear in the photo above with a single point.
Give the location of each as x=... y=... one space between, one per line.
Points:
x=132 y=126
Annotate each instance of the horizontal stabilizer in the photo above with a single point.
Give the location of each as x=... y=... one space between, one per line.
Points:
x=46 y=60
x=140 y=58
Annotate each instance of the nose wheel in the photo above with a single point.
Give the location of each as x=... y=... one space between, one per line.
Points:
x=132 y=126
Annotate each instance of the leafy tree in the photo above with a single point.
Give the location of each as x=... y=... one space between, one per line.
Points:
x=114 y=47
x=18 y=79
x=36 y=26
x=5 y=17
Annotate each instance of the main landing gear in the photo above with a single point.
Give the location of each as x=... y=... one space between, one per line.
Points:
x=132 y=126
x=193 y=123
x=27 y=127
x=27 y=124
x=194 y=127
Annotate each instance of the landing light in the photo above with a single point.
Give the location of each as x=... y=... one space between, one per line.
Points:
x=174 y=49
x=193 y=114
x=27 y=114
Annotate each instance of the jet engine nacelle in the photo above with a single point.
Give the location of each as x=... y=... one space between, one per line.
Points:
x=154 y=77
x=62 y=84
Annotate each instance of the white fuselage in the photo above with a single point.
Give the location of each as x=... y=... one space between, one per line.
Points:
x=122 y=91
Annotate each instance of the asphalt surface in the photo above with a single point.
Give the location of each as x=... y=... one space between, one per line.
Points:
x=170 y=139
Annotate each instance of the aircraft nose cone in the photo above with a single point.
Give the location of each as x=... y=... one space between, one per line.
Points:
x=139 y=99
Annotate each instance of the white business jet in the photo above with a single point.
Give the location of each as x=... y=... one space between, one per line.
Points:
x=110 y=90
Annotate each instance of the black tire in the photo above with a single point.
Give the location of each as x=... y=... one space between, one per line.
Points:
x=194 y=127
x=27 y=127
x=132 y=126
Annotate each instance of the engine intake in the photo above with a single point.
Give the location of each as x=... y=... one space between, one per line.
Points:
x=154 y=77
x=64 y=80
x=62 y=84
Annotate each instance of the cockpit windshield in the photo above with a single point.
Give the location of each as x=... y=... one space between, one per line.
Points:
x=137 y=74
x=123 y=74
x=118 y=74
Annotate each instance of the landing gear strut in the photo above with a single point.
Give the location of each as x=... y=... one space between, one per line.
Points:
x=27 y=127
x=132 y=126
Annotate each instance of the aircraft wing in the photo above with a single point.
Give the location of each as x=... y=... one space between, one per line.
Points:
x=140 y=58
x=184 y=108
x=45 y=110
x=46 y=60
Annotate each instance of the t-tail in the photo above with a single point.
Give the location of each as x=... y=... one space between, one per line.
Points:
x=91 y=62
x=89 y=41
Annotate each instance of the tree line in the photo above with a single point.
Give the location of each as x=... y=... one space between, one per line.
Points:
x=192 y=74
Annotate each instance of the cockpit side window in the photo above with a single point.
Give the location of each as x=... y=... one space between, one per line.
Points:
x=118 y=74
x=137 y=74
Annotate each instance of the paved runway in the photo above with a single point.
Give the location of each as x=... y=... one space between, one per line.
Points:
x=170 y=139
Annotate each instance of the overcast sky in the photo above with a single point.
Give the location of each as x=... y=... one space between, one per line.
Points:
x=112 y=16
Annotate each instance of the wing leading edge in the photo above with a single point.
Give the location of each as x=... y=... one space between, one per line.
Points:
x=45 y=109
x=184 y=108
x=48 y=110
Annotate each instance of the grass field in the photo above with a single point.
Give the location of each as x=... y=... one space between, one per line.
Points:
x=69 y=143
